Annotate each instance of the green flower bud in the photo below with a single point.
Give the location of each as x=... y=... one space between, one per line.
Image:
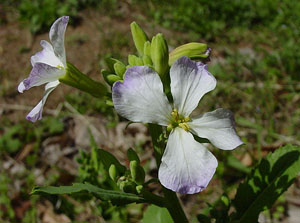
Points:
x=105 y=73
x=137 y=172
x=147 y=60
x=73 y=77
x=139 y=188
x=120 y=69
x=191 y=50
x=113 y=172
x=134 y=60
x=139 y=37
x=128 y=186
x=147 y=49
x=112 y=78
x=160 y=54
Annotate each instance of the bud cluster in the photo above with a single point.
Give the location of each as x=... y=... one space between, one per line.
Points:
x=133 y=179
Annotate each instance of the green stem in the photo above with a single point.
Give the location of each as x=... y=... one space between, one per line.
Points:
x=75 y=78
x=174 y=207
x=152 y=198
x=170 y=198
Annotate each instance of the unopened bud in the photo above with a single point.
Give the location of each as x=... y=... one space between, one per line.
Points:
x=137 y=172
x=159 y=54
x=120 y=69
x=139 y=37
x=139 y=188
x=113 y=172
x=147 y=49
x=192 y=50
x=112 y=78
x=134 y=60
x=128 y=186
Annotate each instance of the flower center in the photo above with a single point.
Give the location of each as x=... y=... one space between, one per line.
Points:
x=178 y=120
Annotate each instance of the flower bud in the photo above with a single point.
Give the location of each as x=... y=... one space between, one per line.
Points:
x=139 y=37
x=147 y=49
x=139 y=188
x=113 y=172
x=159 y=54
x=112 y=78
x=137 y=172
x=120 y=69
x=191 y=50
x=128 y=186
x=134 y=60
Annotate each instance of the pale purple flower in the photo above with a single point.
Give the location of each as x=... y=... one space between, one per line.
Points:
x=186 y=165
x=48 y=65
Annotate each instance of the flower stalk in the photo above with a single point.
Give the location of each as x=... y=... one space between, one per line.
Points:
x=75 y=78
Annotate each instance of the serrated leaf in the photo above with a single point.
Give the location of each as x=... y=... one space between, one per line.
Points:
x=157 y=214
x=116 y=197
x=266 y=183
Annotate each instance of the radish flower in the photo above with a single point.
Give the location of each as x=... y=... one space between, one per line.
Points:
x=48 y=66
x=186 y=165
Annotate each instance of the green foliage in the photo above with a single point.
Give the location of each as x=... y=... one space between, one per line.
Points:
x=266 y=183
x=116 y=197
x=156 y=214
x=41 y=14
x=5 y=201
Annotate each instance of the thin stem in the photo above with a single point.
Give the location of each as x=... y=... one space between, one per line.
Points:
x=170 y=198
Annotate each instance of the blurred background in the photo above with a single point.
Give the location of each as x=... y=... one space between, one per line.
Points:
x=255 y=58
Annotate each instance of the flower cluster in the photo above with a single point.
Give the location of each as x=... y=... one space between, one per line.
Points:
x=186 y=165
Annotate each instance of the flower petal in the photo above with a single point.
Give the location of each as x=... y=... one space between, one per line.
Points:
x=217 y=126
x=46 y=56
x=187 y=166
x=40 y=74
x=189 y=82
x=36 y=113
x=140 y=98
x=57 y=35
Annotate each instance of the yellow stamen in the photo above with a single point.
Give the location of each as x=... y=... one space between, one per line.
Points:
x=185 y=126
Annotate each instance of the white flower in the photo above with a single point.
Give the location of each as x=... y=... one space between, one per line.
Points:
x=186 y=166
x=48 y=65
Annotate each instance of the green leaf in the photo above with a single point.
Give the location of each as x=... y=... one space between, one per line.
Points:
x=266 y=183
x=116 y=197
x=107 y=159
x=132 y=155
x=157 y=214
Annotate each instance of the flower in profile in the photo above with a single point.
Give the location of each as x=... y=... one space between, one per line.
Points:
x=48 y=65
x=186 y=165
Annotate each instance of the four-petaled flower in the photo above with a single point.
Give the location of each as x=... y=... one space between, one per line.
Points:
x=48 y=65
x=186 y=165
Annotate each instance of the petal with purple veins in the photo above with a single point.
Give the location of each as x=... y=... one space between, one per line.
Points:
x=40 y=74
x=57 y=35
x=218 y=127
x=189 y=82
x=140 y=98
x=46 y=56
x=186 y=166
x=36 y=113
